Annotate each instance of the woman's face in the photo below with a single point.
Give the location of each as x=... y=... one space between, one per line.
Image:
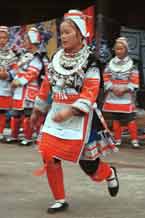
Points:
x=120 y=50
x=71 y=38
x=26 y=42
x=3 y=39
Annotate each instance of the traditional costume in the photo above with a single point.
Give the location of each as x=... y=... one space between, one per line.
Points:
x=7 y=62
x=26 y=74
x=73 y=82
x=121 y=73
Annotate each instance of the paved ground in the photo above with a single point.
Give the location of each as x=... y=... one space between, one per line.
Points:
x=23 y=195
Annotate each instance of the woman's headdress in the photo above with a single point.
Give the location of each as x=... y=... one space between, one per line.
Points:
x=4 y=29
x=34 y=35
x=78 y=18
x=122 y=40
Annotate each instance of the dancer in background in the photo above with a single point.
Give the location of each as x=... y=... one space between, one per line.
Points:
x=25 y=86
x=7 y=62
x=121 y=79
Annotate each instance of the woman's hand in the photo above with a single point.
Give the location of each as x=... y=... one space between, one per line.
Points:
x=119 y=91
x=34 y=118
x=15 y=84
x=3 y=74
x=63 y=115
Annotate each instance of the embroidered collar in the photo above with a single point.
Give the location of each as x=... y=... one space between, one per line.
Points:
x=121 y=65
x=65 y=65
x=6 y=56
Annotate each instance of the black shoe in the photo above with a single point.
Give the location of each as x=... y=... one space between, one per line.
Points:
x=113 y=183
x=26 y=142
x=11 y=140
x=2 y=138
x=135 y=144
x=58 y=208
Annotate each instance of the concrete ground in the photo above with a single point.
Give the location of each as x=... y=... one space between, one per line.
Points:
x=24 y=195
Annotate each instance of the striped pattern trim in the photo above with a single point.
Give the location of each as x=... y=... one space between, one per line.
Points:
x=4 y=29
x=118 y=107
x=68 y=99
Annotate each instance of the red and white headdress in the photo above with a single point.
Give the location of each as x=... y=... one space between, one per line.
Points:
x=34 y=35
x=122 y=40
x=4 y=29
x=78 y=18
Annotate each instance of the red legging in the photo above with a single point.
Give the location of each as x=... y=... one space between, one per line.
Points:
x=55 y=179
x=132 y=127
x=2 y=122
x=117 y=130
x=98 y=172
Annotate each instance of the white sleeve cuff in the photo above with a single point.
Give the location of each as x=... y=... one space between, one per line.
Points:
x=82 y=105
x=107 y=85
x=132 y=86
x=41 y=105
x=22 y=81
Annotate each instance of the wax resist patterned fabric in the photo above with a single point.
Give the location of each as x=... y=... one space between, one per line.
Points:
x=47 y=30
